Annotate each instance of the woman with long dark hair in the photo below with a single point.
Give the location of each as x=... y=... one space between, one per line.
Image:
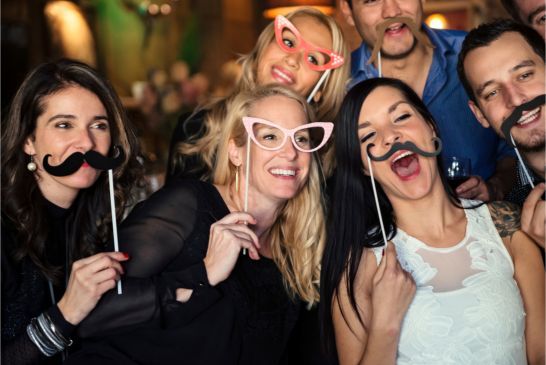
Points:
x=56 y=212
x=458 y=282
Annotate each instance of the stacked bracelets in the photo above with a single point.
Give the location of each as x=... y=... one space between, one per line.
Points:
x=46 y=336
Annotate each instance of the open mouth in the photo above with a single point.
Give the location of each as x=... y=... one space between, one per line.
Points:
x=395 y=28
x=282 y=76
x=529 y=117
x=406 y=165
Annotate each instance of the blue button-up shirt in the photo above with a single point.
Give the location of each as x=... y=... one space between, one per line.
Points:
x=446 y=99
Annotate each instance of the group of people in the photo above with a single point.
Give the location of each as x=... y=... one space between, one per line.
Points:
x=303 y=199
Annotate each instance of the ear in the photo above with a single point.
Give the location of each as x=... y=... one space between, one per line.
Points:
x=28 y=147
x=347 y=12
x=234 y=153
x=317 y=96
x=478 y=114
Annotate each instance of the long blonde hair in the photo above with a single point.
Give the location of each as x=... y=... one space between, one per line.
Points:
x=298 y=234
x=333 y=91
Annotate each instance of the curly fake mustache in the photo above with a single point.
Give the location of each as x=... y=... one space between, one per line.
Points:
x=516 y=115
x=406 y=146
x=76 y=160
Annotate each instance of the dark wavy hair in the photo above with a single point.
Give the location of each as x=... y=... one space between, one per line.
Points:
x=353 y=222
x=23 y=206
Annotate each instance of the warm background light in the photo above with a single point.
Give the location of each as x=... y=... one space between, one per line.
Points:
x=283 y=10
x=70 y=31
x=437 y=21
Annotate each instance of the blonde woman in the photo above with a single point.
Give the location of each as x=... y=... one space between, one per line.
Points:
x=220 y=306
x=297 y=59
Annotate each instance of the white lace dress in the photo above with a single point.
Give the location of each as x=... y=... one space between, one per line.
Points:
x=467 y=308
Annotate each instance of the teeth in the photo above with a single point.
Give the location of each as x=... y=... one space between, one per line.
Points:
x=528 y=117
x=283 y=172
x=282 y=75
x=402 y=155
x=395 y=27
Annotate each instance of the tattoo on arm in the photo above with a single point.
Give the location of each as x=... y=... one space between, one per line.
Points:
x=506 y=217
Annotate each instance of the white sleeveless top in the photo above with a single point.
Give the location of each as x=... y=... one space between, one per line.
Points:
x=467 y=307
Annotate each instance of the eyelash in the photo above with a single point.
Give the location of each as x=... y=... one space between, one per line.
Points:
x=367 y=137
x=402 y=117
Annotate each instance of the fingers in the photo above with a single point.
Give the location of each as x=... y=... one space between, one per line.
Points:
x=118 y=256
x=473 y=188
x=237 y=217
x=532 y=215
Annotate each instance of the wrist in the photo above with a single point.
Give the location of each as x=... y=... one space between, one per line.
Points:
x=210 y=275
x=67 y=314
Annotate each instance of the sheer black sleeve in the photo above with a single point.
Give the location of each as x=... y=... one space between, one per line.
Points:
x=159 y=236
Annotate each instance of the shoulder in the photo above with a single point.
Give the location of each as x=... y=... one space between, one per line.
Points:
x=453 y=38
x=506 y=217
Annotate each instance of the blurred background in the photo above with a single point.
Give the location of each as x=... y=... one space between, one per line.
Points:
x=164 y=57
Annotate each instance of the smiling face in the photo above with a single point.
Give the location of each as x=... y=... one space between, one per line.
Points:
x=387 y=117
x=504 y=75
x=280 y=174
x=366 y=15
x=73 y=120
x=291 y=69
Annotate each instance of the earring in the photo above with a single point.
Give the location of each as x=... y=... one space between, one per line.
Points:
x=237 y=179
x=31 y=166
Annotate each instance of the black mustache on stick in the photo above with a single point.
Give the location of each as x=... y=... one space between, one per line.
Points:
x=76 y=160
x=406 y=146
x=516 y=115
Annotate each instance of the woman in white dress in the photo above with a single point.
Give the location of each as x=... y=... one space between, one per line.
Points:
x=459 y=282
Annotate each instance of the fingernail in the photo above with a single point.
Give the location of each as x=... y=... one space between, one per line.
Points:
x=383 y=252
x=125 y=254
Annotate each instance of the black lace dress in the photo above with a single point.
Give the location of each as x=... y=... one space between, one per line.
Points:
x=246 y=319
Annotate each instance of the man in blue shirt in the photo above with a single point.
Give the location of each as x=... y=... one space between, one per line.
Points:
x=432 y=73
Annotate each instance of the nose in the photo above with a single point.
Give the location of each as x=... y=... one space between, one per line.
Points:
x=514 y=96
x=293 y=59
x=391 y=9
x=391 y=137
x=84 y=141
x=288 y=150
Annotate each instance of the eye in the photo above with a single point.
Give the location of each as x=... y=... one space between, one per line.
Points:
x=402 y=117
x=490 y=94
x=100 y=125
x=288 y=43
x=524 y=76
x=302 y=140
x=63 y=125
x=540 y=19
x=370 y=2
x=269 y=137
x=311 y=59
x=367 y=137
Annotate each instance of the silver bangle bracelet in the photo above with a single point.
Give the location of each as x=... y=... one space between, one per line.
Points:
x=40 y=343
x=65 y=341
x=46 y=331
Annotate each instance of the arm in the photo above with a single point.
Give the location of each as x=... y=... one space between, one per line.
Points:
x=154 y=235
x=532 y=215
x=498 y=185
x=528 y=273
x=384 y=294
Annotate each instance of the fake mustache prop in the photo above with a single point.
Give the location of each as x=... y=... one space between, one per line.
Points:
x=406 y=146
x=382 y=27
x=516 y=115
x=76 y=160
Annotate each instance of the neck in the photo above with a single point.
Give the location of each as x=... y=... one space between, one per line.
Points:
x=432 y=219
x=412 y=69
x=535 y=160
x=63 y=199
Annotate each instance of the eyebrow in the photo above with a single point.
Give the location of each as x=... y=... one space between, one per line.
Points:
x=534 y=13
x=70 y=116
x=522 y=64
x=391 y=109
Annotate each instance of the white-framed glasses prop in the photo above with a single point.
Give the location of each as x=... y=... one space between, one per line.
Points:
x=290 y=40
x=270 y=136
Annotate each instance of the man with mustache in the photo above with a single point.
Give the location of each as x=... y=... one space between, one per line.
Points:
x=431 y=72
x=528 y=12
x=501 y=65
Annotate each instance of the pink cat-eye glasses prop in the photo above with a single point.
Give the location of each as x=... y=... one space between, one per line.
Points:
x=290 y=40
x=270 y=136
